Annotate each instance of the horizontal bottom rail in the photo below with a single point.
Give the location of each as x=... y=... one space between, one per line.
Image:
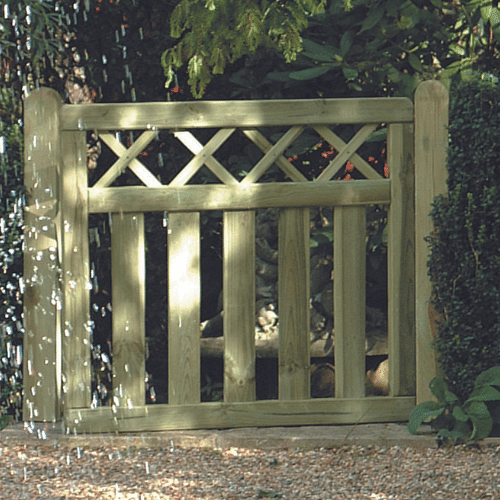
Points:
x=267 y=413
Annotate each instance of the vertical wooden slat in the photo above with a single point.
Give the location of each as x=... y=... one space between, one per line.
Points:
x=431 y=141
x=401 y=261
x=42 y=335
x=76 y=373
x=128 y=294
x=293 y=303
x=183 y=244
x=239 y=306
x=349 y=290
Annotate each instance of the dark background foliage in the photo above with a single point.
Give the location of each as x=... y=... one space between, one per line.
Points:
x=464 y=264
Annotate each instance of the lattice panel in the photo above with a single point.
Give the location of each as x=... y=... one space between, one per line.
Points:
x=272 y=154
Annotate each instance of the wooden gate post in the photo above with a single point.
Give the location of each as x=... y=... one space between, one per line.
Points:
x=42 y=298
x=431 y=142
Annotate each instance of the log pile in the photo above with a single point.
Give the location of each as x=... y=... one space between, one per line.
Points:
x=266 y=300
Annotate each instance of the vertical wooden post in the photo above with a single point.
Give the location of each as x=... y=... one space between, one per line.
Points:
x=128 y=280
x=239 y=306
x=349 y=291
x=76 y=325
x=431 y=142
x=293 y=304
x=42 y=159
x=183 y=242
x=401 y=261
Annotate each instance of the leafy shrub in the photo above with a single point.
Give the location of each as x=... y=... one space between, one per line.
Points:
x=471 y=421
x=464 y=264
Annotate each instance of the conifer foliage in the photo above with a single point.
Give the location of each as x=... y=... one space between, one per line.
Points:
x=217 y=32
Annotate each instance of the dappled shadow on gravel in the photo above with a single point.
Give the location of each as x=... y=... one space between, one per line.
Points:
x=43 y=470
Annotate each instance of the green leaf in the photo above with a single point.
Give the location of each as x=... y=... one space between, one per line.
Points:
x=488 y=377
x=346 y=42
x=378 y=135
x=317 y=52
x=461 y=432
x=310 y=73
x=4 y=421
x=415 y=62
x=477 y=409
x=481 y=420
x=437 y=3
x=460 y=414
x=486 y=12
x=422 y=412
x=350 y=73
x=373 y=18
x=484 y=393
x=438 y=388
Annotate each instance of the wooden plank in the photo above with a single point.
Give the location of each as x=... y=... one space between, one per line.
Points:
x=125 y=159
x=239 y=305
x=190 y=141
x=42 y=160
x=349 y=264
x=293 y=303
x=183 y=243
x=361 y=165
x=265 y=146
x=75 y=273
x=222 y=197
x=249 y=414
x=128 y=292
x=275 y=152
x=346 y=152
x=135 y=165
x=204 y=156
x=401 y=261
x=245 y=114
x=431 y=142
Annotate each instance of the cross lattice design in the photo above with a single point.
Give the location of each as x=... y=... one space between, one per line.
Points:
x=204 y=155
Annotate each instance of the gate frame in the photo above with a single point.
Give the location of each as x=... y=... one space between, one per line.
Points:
x=57 y=367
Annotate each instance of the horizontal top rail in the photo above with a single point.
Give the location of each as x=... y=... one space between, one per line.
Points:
x=241 y=114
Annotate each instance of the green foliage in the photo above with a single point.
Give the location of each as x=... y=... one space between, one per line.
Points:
x=457 y=422
x=363 y=47
x=464 y=264
x=217 y=32
x=212 y=390
x=4 y=421
x=11 y=256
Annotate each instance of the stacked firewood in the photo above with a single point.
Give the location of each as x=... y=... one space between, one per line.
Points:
x=321 y=289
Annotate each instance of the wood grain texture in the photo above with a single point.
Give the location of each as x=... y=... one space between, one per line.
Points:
x=239 y=305
x=224 y=197
x=268 y=413
x=349 y=264
x=76 y=362
x=431 y=142
x=128 y=289
x=293 y=303
x=42 y=390
x=401 y=261
x=183 y=242
x=244 y=114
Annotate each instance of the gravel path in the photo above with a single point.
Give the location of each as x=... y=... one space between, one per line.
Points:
x=35 y=471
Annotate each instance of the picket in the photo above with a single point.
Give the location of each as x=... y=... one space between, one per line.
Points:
x=128 y=289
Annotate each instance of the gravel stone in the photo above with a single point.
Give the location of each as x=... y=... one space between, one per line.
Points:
x=41 y=470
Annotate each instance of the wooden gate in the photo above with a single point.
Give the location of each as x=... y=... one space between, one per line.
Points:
x=57 y=300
